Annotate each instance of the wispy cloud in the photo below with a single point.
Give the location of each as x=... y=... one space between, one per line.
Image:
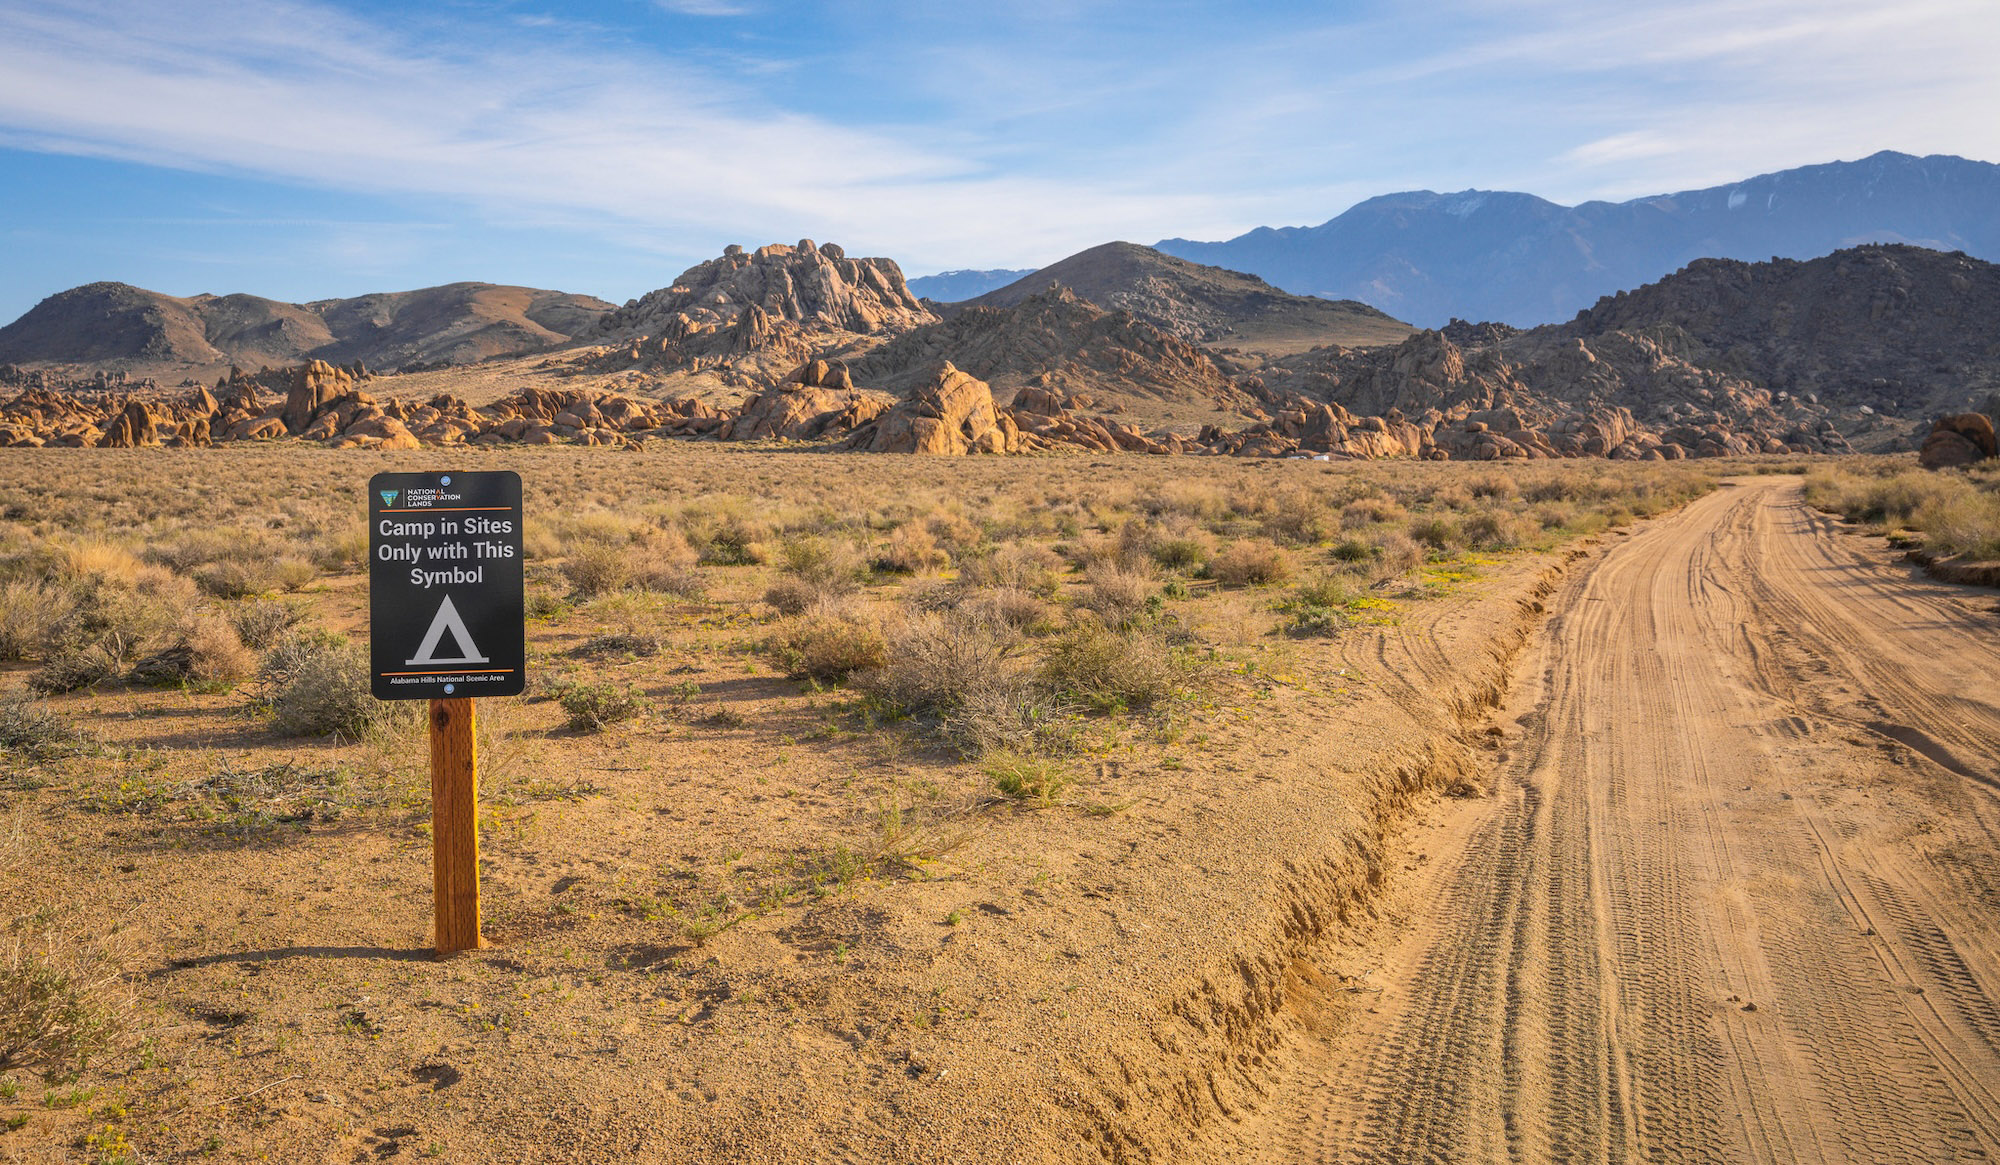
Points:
x=997 y=135
x=704 y=7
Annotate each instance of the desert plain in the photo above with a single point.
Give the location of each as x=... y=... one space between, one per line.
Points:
x=1011 y=809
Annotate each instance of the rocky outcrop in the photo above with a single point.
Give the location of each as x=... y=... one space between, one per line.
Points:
x=953 y=414
x=1958 y=440
x=1546 y=393
x=1057 y=343
x=1901 y=330
x=816 y=287
x=313 y=389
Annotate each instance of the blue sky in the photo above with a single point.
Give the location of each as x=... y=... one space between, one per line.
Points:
x=300 y=149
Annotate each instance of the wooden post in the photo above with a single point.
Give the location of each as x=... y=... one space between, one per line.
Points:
x=455 y=825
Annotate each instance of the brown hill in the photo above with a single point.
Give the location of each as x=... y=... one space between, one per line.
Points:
x=1055 y=340
x=1902 y=330
x=115 y=325
x=1204 y=305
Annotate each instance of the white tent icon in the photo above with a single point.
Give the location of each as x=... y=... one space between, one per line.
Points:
x=447 y=620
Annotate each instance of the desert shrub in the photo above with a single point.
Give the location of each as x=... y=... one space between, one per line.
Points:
x=344 y=549
x=955 y=531
x=31 y=613
x=236 y=578
x=1010 y=607
x=911 y=549
x=833 y=566
x=1449 y=497
x=1326 y=590
x=260 y=622
x=596 y=568
x=207 y=652
x=1011 y=713
x=1352 y=550
x=1497 y=530
x=827 y=648
x=1020 y=565
x=1184 y=553
x=935 y=661
x=1556 y=488
x=793 y=596
x=1305 y=620
x=1373 y=510
x=60 y=1005
x=28 y=728
x=1493 y=485
x=1249 y=563
x=1108 y=670
x=293 y=573
x=1438 y=532
x=1116 y=595
x=1298 y=519
x=1026 y=778
x=666 y=564
x=1966 y=522
x=315 y=684
x=725 y=539
x=595 y=707
x=1396 y=554
x=70 y=667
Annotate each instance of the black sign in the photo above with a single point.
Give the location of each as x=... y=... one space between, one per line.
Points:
x=444 y=585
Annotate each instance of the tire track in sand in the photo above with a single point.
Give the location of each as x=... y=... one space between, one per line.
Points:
x=1714 y=911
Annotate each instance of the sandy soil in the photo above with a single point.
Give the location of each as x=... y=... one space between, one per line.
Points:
x=1123 y=975
x=1734 y=898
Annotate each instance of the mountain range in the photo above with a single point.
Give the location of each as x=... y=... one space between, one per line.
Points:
x=1519 y=259
x=117 y=326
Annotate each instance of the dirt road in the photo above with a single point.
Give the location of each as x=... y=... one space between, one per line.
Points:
x=1736 y=896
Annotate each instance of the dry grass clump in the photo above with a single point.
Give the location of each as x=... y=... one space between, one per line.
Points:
x=1957 y=513
x=1111 y=670
x=1371 y=510
x=29 y=729
x=261 y=622
x=596 y=568
x=1251 y=563
x=1023 y=566
x=817 y=573
x=937 y=661
x=1499 y=530
x=1117 y=595
x=315 y=684
x=61 y=1004
x=207 y=653
x=827 y=648
x=1442 y=534
x=911 y=549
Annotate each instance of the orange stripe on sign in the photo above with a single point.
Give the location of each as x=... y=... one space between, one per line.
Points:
x=456 y=671
x=443 y=509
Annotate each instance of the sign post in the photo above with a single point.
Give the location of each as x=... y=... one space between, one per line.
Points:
x=445 y=625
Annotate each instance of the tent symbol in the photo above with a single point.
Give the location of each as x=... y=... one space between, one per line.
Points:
x=447 y=619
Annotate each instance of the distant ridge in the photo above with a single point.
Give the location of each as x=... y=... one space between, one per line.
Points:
x=1200 y=304
x=116 y=325
x=1512 y=257
x=952 y=286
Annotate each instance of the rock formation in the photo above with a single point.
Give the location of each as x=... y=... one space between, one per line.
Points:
x=815 y=287
x=1053 y=341
x=952 y=414
x=1958 y=440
